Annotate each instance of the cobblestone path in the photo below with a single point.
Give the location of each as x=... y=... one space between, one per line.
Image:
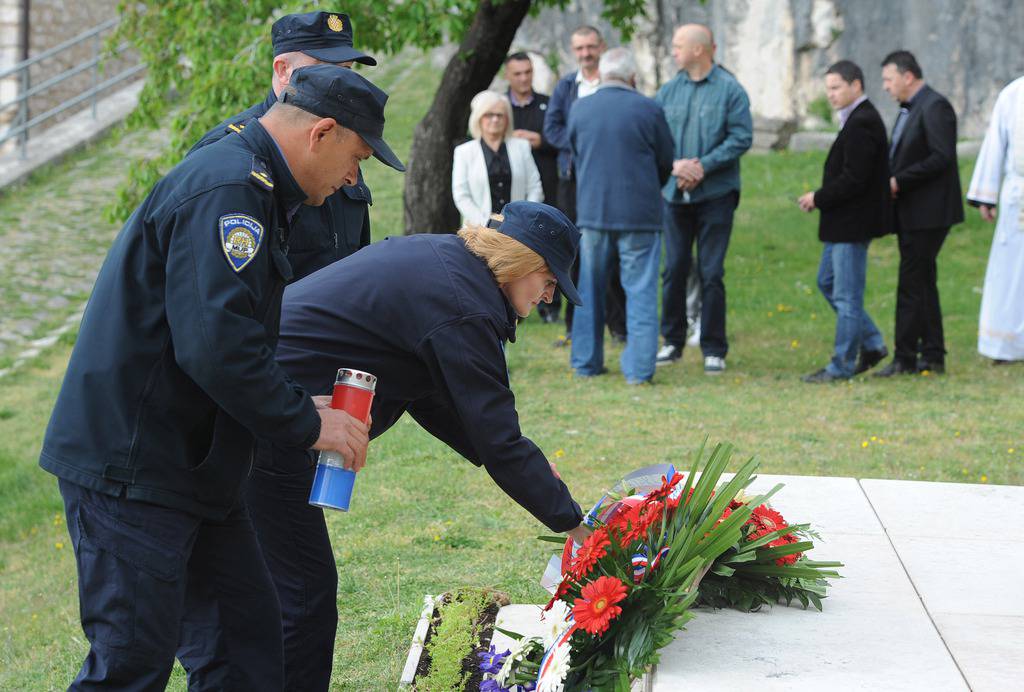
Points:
x=53 y=239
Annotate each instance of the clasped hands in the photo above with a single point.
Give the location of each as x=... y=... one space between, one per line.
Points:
x=688 y=172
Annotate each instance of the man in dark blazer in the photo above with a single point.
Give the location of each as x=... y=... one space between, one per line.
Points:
x=854 y=201
x=925 y=184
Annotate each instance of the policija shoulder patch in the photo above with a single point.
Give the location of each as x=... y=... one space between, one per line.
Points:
x=240 y=237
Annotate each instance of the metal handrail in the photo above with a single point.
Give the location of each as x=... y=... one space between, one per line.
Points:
x=22 y=123
x=70 y=103
x=49 y=52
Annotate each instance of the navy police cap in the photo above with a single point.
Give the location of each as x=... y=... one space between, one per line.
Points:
x=326 y=36
x=350 y=99
x=549 y=233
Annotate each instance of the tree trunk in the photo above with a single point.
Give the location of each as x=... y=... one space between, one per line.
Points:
x=428 y=191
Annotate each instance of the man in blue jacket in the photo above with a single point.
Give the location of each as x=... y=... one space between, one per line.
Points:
x=709 y=115
x=587 y=45
x=172 y=376
x=622 y=150
x=341 y=225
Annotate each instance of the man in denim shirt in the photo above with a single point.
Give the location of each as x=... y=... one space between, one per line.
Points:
x=709 y=115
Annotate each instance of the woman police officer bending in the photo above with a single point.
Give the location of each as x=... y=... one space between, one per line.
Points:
x=429 y=315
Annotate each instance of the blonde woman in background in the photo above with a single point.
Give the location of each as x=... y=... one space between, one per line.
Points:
x=494 y=168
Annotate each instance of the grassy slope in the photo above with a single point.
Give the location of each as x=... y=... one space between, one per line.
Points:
x=426 y=521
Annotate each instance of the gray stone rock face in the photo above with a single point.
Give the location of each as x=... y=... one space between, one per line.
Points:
x=779 y=49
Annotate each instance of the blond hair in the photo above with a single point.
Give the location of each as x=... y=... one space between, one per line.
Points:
x=506 y=257
x=480 y=104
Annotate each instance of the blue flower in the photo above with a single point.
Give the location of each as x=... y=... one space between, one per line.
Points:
x=490 y=685
x=490 y=661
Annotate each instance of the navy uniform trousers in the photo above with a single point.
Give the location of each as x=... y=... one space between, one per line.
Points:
x=140 y=565
x=297 y=549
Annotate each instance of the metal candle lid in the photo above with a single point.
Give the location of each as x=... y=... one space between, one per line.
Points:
x=356 y=378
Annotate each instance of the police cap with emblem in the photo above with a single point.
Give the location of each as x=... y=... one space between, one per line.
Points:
x=353 y=101
x=546 y=231
x=326 y=36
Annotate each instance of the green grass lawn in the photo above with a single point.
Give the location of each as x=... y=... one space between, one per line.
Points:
x=424 y=520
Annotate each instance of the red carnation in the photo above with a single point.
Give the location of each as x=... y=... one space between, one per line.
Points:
x=667 y=486
x=563 y=588
x=596 y=609
x=592 y=550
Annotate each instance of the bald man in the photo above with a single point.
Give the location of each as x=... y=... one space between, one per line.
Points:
x=708 y=113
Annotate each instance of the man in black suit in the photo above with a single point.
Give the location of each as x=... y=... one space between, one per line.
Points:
x=925 y=184
x=855 y=206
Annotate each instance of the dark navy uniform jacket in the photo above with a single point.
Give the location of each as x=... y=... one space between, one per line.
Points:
x=427 y=318
x=319 y=235
x=174 y=363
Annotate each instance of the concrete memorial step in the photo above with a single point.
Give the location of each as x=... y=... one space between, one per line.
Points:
x=930 y=597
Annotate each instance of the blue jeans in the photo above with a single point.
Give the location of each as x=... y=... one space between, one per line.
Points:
x=639 y=254
x=841 y=277
x=710 y=225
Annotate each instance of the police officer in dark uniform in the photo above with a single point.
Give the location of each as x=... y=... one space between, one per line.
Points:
x=436 y=345
x=340 y=226
x=173 y=371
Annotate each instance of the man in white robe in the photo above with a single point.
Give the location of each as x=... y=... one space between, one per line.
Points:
x=999 y=180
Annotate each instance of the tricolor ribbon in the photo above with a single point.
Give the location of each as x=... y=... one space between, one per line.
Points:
x=639 y=565
x=657 y=558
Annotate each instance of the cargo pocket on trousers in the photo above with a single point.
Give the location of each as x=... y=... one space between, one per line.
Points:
x=130 y=585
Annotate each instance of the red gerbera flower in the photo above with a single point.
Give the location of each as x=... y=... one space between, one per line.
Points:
x=763 y=520
x=592 y=550
x=596 y=609
x=785 y=539
x=632 y=524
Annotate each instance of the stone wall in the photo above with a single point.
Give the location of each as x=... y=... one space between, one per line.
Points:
x=779 y=49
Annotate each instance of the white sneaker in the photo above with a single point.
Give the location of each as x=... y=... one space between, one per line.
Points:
x=668 y=354
x=713 y=365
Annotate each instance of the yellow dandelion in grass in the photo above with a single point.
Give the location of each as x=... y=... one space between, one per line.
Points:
x=926 y=373
x=1010 y=450
x=35 y=616
x=58 y=545
x=874 y=438
x=814 y=315
x=437 y=537
x=795 y=343
x=770 y=313
x=559 y=453
x=963 y=471
x=956 y=434
x=864 y=444
x=984 y=478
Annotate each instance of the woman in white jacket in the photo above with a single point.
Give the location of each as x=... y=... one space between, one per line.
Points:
x=493 y=168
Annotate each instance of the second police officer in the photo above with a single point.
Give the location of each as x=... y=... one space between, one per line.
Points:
x=324 y=234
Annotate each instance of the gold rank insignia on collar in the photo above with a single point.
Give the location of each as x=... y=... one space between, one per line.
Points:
x=235 y=127
x=260 y=174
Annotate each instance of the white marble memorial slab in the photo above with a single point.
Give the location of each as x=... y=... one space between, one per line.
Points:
x=874 y=634
x=968 y=578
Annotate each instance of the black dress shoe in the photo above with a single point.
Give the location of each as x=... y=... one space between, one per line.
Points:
x=821 y=376
x=869 y=359
x=896 y=367
x=933 y=367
